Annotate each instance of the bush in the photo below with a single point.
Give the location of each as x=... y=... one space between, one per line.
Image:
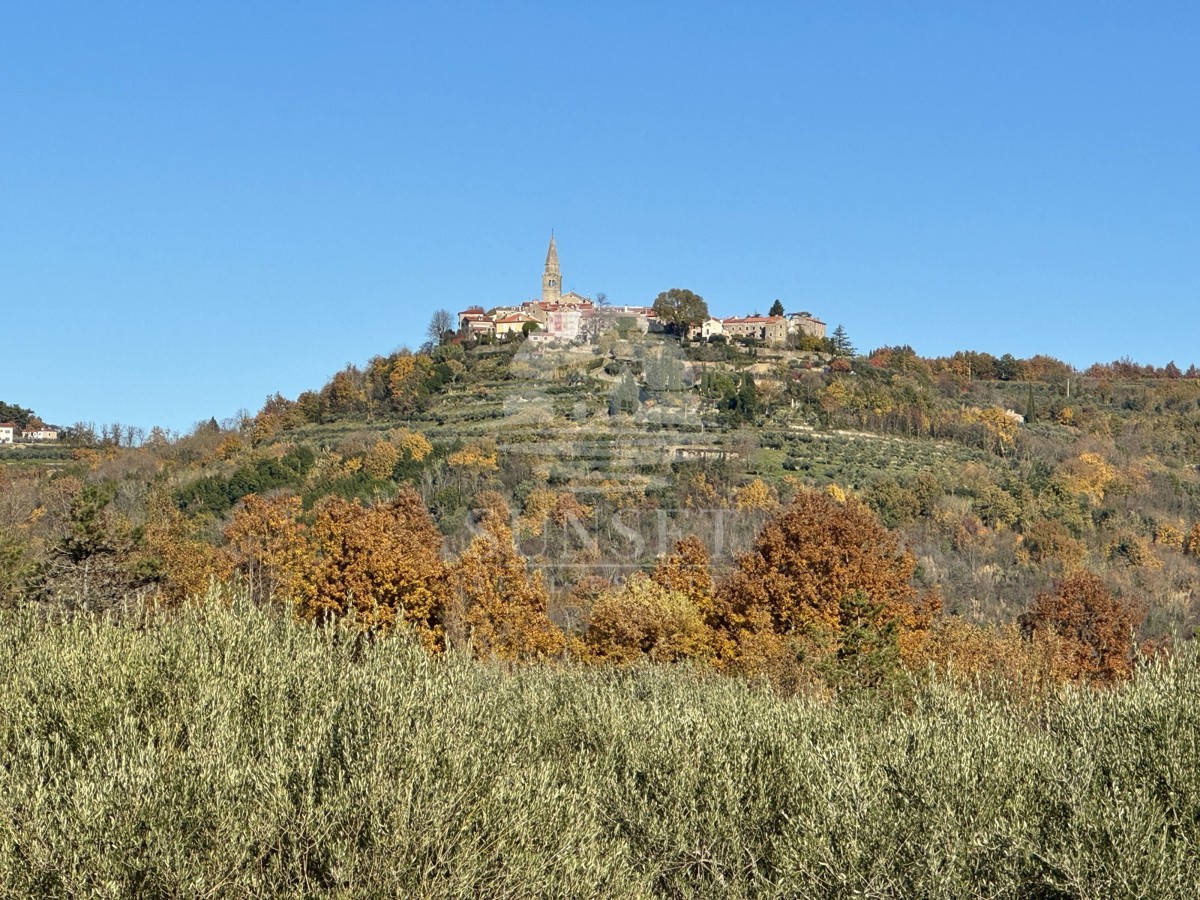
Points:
x=227 y=749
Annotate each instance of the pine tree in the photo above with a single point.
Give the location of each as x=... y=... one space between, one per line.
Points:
x=777 y=308
x=841 y=342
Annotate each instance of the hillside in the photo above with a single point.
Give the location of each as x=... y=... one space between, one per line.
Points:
x=604 y=456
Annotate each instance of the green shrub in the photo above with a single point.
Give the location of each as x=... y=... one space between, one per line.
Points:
x=228 y=751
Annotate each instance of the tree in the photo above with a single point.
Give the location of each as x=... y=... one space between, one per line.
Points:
x=379 y=566
x=841 y=342
x=1008 y=368
x=679 y=308
x=268 y=544
x=818 y=573
x=644 y=619
x=440 y=324
x=602 y=319
x=777 y=308
x=1098 y=627
x=497 y=606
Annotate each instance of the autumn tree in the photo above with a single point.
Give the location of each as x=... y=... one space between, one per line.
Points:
x=1099 y=628
x=643 y=619
x=686 y=570
x=497 y=606
x=185 y=564
x=816 y=574
x=267 y=543
x=379 y=566
x=406 y=382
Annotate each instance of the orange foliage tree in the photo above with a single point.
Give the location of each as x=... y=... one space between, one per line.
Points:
x=379 y=565
x=686 y=571
x=1098 y=627
x=820 y=577
x=187 y=563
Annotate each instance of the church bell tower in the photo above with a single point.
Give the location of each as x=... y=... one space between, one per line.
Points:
x=551 y=276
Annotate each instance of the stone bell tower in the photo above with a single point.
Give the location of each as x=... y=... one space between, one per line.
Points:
x=551 y=276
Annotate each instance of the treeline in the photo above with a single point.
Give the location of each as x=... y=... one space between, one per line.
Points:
x=824 y=598
x=19 y=415
x=401 y=384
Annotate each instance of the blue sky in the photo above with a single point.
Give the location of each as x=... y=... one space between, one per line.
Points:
x=204 y=203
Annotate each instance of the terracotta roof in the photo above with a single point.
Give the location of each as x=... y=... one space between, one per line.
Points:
x=751 y=320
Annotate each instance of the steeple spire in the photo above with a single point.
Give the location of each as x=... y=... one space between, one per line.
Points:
x=551 y=276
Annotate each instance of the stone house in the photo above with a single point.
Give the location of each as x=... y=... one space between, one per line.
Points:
x=771 y=330
x=806 y=323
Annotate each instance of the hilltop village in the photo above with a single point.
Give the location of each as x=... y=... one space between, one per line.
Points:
x=567 y=318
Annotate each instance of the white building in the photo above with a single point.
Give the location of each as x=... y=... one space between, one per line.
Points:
x=7 y=430
x=707 y=330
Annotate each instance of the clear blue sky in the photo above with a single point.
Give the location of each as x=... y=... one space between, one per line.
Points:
x=203 y=203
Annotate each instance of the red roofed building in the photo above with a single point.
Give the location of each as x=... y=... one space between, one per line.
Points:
x=771 y=330
x=514 y=323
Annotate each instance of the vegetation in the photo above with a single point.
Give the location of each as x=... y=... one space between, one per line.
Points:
x=679 y=308
x=227 y=749
x=653 y=615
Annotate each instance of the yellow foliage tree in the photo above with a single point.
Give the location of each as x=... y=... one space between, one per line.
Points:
x=1168 y=535
x=756 y=495
x=497 y=606
x=1192 y=545
x=405 y=382
x=267 y=543
x=381 y=459
x=1001 y=426
x=1090 y=474
x=643 y=619
x=189 y=564
x=477 y=458
x=412 y=444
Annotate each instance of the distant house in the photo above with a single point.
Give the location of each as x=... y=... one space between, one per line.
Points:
x=42 y=433
x=7 y=431
x=772 y=330
x=806 y=323
x=707 y=330
x=474 y=321
x=514 y=323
